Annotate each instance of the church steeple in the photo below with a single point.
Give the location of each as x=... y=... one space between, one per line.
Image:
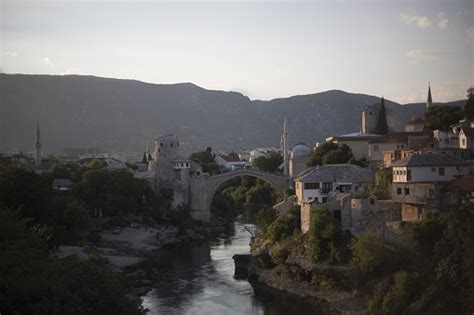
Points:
x=429 y=101
x=285 y=148
x=38 y=146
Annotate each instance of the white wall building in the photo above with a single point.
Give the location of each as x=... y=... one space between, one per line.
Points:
x=428 y=168
x=322 y=183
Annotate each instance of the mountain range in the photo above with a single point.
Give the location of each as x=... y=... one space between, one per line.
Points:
x=126 y=115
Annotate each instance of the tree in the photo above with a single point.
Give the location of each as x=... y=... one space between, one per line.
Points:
x=442 y=117
x=369 y=254
x=206 y=160
x=382 y=127
x=469 y=106
x=268 y=163
x=327 y=242
x=330 y=153
x=265 y=217
x=33 y=283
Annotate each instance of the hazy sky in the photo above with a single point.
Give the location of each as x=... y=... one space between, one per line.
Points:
x=264 y=49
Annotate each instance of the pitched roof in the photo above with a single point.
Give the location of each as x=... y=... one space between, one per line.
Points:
x=355 y=136
x=349 y=173
x=396 y=137
x=434 y=159
x=469 y=132
x=417 y=120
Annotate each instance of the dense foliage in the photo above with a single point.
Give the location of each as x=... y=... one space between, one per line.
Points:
x=441 y=117
x=326 y=241
x=268 y=163
x=32 y=283
x=243 y=195
x=330 y=153
x=206 y=160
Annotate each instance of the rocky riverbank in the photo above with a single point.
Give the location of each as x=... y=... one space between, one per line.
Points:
x=300 y=277
x=122 y=248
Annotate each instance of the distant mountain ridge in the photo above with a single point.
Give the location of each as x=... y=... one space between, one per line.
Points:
x=125 y=115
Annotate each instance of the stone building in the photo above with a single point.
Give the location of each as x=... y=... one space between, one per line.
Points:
x=172 y=171
x=419 y=181
x=355 y=214
x=357 y=141
x=415 y=125
x=323 y=183
x=299 y=156
x=370 y=118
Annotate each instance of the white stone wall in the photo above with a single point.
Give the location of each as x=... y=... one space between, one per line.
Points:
x=428 y=173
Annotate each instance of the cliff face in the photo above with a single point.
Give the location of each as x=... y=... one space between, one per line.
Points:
x=125 y=115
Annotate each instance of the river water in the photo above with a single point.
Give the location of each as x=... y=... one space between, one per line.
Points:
x=197 y=278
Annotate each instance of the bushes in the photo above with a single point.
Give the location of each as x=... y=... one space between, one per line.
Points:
x=265 y=217
x=283 y=227
x=326 y=241
x=369 y=255
x=393 y=295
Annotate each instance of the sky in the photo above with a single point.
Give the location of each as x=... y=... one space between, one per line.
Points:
x=263 y=49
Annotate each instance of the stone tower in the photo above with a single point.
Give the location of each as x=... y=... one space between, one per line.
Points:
x=38 y=146
x=166 y=152
x=429 y=101
x=285 y=148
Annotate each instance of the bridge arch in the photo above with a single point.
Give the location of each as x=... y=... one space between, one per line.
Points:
x=209 y=187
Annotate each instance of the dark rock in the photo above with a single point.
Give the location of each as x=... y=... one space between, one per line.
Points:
x=244 y=266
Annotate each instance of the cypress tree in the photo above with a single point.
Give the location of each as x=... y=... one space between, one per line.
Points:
x=469 y=107
x=144 y=160
x=382 y=127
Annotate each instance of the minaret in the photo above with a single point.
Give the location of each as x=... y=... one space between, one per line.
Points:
x=285 y=148
x=429 y=101
x=38 y=146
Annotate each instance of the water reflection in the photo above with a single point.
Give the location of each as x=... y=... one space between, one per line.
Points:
x=198 y=279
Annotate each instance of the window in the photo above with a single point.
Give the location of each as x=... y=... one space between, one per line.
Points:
x=161 y=144
x=409 y=175
x=407 y=191
x=376 y=148
x=372 y=201
x=433 y=169
x=171 y=144
x=441 y=171
x=356 y=188
x=327 y=187
x=311 y=186
x=399 y=191
x=325 y=199
x=457 y=168
x=431 y=193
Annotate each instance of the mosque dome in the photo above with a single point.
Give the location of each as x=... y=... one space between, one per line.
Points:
x=300 y=150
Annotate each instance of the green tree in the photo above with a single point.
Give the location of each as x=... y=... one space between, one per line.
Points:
x=340 y=156
x=268 y=163
x=206 y=160
x=369 y=254
x=32 y=283
x=327 y=242
x=265 y=217
x=469 y=106
x=382 y=127
x=442 y=117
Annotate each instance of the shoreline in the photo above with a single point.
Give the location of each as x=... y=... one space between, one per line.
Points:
x=341 y=301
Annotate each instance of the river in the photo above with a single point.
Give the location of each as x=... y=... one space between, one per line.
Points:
x=197 y=278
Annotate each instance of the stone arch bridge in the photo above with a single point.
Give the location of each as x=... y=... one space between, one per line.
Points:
x=204 y=188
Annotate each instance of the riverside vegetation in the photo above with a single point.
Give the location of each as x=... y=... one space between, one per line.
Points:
x=431 y=273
